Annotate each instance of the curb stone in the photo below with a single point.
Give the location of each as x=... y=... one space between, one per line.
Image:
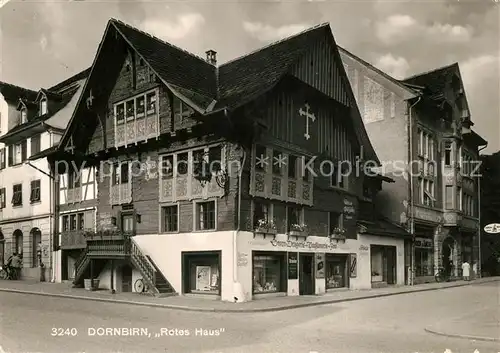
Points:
x=240 y=310
x=468 y=337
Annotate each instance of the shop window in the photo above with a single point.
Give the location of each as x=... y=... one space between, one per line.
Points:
x=18 y=237
x=267 y=273
x=201 y=273
x=336 y=276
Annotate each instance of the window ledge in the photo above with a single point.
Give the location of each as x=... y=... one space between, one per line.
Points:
x=204 y=230
x=169 y=233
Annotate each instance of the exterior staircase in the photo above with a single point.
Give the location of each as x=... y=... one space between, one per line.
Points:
x=120 y=246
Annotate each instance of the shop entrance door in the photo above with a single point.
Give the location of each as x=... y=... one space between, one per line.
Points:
x=390 y=255
x=306 y=274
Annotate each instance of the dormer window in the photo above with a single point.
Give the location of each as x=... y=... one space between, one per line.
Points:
x=24 y=115
x=43 y=106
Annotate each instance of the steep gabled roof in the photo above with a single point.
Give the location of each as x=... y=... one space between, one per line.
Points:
x=14 y=93
x=434 y=80
x=409 y=88
x=247 y=77
x=174 y=65
x=208 y=89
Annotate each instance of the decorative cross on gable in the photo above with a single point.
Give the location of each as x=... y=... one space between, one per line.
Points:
x=90 y=99
x=308 y=116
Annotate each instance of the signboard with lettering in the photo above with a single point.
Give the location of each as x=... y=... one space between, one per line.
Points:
x=493 y=228
x=242 y=259
x=424 y=243
x=348 y=209
x=293 y=262
x=353 y=267
x=303 y=244
x=320 y=265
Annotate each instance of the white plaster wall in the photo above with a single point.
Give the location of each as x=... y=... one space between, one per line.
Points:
x=364 y=261
x=24 y=174
x=88 y=185
x=56 y=266
x=166 y=249
x=105 y=276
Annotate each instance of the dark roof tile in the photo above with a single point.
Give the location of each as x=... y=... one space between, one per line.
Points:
x=242 y=79
x=171 y=62
x=14 y=93
x=434 y=80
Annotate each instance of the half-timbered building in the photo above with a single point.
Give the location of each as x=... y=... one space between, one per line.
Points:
x=236 y=181
x=31 y=123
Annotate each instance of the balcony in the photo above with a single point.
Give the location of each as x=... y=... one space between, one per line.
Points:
x=108 y=244
x=135 y=130
x=120 y=194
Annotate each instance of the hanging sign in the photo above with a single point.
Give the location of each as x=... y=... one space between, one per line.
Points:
x=493 y=228
x=353 y=268
x=320 y=265
x=293 y=265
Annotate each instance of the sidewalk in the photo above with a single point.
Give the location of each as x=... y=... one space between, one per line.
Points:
x=64 y=290
x=483 y=325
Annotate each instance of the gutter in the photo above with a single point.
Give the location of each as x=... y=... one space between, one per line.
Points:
x=480 y=231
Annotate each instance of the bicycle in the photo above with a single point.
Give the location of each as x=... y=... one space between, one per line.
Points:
x=141 y=287
x=442 y=275
x=7 y=272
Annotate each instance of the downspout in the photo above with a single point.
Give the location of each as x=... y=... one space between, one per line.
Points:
x=480 y=231
x=237 y=288
x=412 y=203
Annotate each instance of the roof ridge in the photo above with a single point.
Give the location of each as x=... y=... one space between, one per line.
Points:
x=373 y=67
x=158 y=39
x=430 y=71
x=310 y=29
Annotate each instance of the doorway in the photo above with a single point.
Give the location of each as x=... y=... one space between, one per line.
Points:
x=383 y=264
x=126 y=278
x=306 y=274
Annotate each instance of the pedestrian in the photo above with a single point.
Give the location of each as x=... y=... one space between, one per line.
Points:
x=16 y=264
x=466 y=271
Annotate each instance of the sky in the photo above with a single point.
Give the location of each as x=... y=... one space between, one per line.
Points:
x=44 y=42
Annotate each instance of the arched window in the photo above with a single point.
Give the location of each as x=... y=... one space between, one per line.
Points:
x=36 y=243
x=18 y=242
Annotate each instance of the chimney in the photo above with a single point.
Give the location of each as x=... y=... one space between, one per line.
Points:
x=211 y=56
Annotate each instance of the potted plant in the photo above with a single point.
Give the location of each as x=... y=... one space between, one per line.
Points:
x=298 y=230
x=266 y=227
x=338 y=233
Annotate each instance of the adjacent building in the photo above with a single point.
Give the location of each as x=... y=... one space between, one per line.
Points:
x=422 y=130
x=30 y=123
x=236 y=181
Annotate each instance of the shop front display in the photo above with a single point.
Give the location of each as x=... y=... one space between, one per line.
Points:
x=268 y=272
x=424 y=257
x=383 y=264
x=336 y=271
x=201 y=273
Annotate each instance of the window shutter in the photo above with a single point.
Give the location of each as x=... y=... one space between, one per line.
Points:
x=2 y=158
x=11 y=155
x=3 y=196
x=23 y=151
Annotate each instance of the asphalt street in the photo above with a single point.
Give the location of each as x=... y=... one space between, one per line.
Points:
x=31 y=323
